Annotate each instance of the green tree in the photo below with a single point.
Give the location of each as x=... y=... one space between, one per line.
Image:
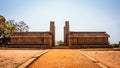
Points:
x=23 y=27
x=115 y=45
x=8 y=27
x=2 y=24
x=60 y=42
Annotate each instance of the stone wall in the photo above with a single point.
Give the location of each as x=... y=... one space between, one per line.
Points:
x=85 y=39
x=35 y=39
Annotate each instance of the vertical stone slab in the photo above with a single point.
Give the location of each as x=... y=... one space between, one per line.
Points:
x=52 y=30
x=50 y=41
x=64 y=35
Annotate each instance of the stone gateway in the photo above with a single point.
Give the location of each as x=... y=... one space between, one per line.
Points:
x=72 y=39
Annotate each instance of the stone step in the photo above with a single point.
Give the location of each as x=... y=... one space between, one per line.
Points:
x=60 y=47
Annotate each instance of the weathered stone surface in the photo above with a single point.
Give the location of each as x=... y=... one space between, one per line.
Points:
x=89 y=39
x=41 y=39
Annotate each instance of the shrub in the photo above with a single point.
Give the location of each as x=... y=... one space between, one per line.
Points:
x=115 y=45
x=60 y=43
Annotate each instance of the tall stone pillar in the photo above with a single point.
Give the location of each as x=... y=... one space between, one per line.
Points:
x=67 y=32
x=52 y=30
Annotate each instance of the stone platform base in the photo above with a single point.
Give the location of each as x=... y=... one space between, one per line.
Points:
x=90 y=46
x=60 y=47
x=28 y=46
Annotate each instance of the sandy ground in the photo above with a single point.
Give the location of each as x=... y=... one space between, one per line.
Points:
x=63 y=58
x=109 y=58
x=13 y=58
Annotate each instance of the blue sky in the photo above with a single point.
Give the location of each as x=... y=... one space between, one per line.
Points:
x=83 y=15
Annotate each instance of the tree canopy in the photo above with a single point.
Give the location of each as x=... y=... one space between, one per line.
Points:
x=60 y=42
x=8 y=27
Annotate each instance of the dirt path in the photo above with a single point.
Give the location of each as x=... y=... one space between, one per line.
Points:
x=63 y=58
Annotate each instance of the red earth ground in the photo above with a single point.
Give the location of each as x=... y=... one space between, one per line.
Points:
x=63 y=58
x=13 y=58
x=60 y=58
x=109 y=58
